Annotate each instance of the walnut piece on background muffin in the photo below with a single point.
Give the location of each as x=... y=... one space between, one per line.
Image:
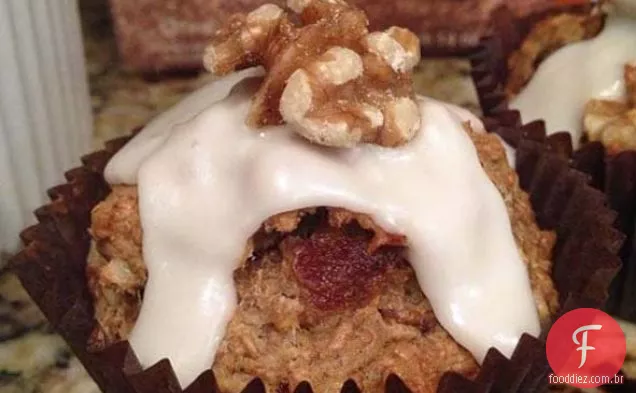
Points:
x=613 y=122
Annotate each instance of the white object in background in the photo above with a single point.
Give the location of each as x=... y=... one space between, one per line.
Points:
x=627 y=7
x=45 y=112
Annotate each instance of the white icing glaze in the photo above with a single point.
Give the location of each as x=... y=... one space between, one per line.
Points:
x=568 y=78
x=124 y=169
x=476 y=125
x=211 y=182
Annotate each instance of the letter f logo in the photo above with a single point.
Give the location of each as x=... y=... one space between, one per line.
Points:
x=570 y=341
x=583 y=344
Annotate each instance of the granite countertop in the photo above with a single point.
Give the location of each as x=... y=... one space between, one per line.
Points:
x=32 y=357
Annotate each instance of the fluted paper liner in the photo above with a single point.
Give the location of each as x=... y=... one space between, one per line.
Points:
x=616 y=175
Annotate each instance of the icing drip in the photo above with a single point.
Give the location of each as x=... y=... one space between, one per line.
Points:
x=123 y=169
x=570 y=77
x=206 y=185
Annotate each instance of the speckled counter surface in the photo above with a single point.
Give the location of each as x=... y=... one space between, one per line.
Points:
x=32 y=357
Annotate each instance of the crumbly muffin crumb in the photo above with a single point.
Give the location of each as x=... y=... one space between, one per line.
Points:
x=115 y=271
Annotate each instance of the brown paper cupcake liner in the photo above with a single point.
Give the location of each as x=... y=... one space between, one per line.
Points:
x=616 y=176
x=52 y=269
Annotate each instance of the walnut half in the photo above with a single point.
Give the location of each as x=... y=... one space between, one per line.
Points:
x=332 y=80
x=613 y=123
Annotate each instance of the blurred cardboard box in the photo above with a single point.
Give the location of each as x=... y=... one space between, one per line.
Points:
x=161 y=35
